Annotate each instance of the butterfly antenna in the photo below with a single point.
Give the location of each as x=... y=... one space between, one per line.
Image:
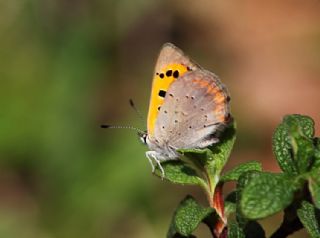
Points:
x=122 y=127
x=133 y=106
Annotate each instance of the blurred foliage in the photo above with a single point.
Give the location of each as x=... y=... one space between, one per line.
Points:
x=65 y=177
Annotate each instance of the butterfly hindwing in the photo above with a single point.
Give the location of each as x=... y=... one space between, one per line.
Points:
x=195 y=107
x=172 y=63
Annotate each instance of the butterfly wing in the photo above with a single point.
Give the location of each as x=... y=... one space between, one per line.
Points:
x=195 y=108
x=172 y=63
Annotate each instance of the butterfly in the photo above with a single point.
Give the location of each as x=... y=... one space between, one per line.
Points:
x=189 y=107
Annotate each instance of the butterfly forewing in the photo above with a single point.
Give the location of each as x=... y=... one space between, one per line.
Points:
x=172 y=63
x=170 y=54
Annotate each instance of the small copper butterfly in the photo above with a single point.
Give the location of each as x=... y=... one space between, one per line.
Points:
x=189 y=107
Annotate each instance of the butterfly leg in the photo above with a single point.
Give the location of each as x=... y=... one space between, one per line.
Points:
x=150 y=161
x=162 y=171
x=153 y=155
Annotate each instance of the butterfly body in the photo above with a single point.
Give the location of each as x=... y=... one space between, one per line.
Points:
x=189 y=107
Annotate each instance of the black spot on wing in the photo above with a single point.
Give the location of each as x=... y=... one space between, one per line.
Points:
x=162 y=93
x=176 y=74
x=169 y=73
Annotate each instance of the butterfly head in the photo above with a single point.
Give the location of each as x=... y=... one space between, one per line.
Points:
x=143 y=135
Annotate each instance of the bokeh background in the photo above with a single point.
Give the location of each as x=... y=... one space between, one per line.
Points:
x=68 y=66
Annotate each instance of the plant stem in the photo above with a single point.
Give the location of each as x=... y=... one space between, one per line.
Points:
x=216 y=201
x=218 y=205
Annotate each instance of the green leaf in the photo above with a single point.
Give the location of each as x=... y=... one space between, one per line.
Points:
x=293 y=144
x=234 y=230
x=221 y=151
x=236 y=172
x=309 y=217
x=220 y=155
x=265 y=194
x=179 y=172
x=281 y=146
x=229 y=207
x=241 y=184
x=198 y=157
x=305 y=124
x=304 y=154
x=314 y=179
x=314 y=187
x=212 y=160
x=316 y=164
x=301 y=131
x=187 y=217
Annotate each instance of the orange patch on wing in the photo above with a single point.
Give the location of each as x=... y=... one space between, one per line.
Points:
x=219 y=111
x=201 y=83
x=211 y=89
x=162 y=81
x=218 y=97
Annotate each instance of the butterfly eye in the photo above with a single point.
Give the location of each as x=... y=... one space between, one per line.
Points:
x=143 y=138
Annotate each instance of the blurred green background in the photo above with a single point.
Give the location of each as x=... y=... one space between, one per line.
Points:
x=68 y=66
